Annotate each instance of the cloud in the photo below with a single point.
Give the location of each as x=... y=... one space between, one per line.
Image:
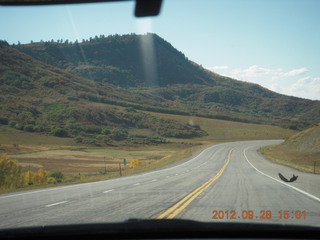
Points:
x=290 y=82
x=255 y=71
x=295 y=72
x=218 y=68
x=307 y=87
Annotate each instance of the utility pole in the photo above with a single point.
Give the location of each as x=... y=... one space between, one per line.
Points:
x=105 y=166
x=29 y=176
x=314 y=167
x=120 y=169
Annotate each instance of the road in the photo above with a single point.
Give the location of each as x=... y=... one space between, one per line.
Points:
x=228 y=180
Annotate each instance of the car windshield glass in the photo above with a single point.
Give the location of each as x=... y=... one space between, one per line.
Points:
x=209 y=112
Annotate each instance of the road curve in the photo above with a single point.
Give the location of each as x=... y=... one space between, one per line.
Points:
x=225 y=182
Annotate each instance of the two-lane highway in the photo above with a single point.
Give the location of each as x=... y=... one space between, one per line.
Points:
x=230 y=178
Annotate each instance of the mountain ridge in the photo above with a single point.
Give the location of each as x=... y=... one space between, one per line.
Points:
x=110 y=70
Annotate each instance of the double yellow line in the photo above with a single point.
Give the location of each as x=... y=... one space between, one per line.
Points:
x=183 y=203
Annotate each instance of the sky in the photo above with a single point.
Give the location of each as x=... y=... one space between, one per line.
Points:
x=274 y=43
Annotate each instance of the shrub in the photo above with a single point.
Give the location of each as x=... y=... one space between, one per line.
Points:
x=93 y=129
x=105 y=131
x=28 y=176
x=119 y=134
x=130 y=109
x=16 y=125
x=78 y=139
x=28 y=128
x=51 y=180
x=41 y=126
x=10 y=172
x=4 y=121
x=60 y=132
x=12 y=123
x=135 y=163
x=40 y=177
x=58 y=175
x=103 y=139
x=92 y=141
x=72 y=98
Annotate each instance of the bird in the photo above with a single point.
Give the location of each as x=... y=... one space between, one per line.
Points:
x=294 y=178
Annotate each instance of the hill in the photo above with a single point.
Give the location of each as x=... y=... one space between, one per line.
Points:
x=301 y=151
x=307 y=141
x=152 y=69
x=121 y=60
x=37 y=97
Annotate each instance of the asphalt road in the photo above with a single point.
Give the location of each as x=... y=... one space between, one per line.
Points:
x=228 y=182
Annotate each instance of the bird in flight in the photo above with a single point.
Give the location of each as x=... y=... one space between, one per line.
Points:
x=294 y=178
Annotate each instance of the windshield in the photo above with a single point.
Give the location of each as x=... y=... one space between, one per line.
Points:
x=209 y=112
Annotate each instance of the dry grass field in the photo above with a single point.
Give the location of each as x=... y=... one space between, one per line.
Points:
x=34 y=151
x=224 y=131
x=87 y=160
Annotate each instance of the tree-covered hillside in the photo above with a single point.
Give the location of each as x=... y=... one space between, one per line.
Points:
x=121 y=60
x=37 y=97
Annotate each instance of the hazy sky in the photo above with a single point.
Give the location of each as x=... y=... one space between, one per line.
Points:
x=275 y=43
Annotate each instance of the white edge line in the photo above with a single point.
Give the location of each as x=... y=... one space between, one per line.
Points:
x=54 y=204
x=44 y=190
x=108 y=191
x=295 y=188
x=136 y=184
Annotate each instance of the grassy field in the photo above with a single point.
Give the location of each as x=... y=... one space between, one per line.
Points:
x=11 y=136
x=301 y=161
x=224 y=131
x=89 y=160
x=88 y=163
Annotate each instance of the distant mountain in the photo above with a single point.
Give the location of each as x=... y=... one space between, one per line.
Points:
x=142 y=72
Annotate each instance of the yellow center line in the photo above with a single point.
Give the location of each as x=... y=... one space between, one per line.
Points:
x=183 y=203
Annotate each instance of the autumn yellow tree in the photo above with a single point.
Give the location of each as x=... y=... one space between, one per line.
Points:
x=10 y=173
x=135 y=163
x=28 y=177
x=40 y=177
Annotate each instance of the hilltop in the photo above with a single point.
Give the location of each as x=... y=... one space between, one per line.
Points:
x=122 y=60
